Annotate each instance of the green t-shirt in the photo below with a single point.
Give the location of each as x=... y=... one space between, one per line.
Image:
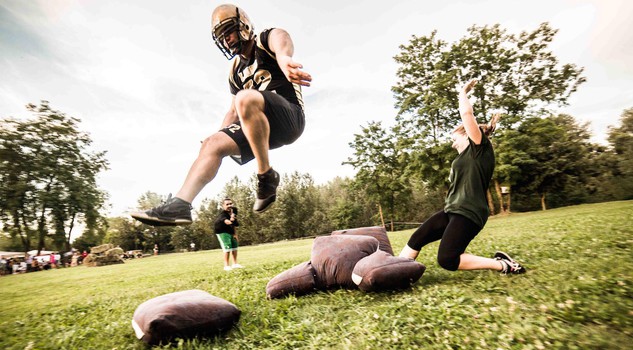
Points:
x=469 y=179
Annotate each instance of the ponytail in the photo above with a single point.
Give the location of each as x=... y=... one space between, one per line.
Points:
x=491 y=126
x=487 y=128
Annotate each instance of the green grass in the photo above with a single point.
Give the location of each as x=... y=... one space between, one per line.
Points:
x=577 y=294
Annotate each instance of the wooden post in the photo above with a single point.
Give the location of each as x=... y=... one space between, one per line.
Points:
x=381 y=218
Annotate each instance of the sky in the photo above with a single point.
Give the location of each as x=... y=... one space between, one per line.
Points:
x=149 y=84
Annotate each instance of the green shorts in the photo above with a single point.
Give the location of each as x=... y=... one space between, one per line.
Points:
x=227 y=242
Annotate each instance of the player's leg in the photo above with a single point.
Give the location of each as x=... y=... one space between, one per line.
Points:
x=204 y=169
x=269 y=121
x=510 y=266
x=503 y=265
x=458 y=235
x=177 y=210
x=249 y=105
x=430 y=231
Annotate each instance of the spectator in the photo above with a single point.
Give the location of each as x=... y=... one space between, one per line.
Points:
x=35 y=265
x=3 y=266
x=81 y=258
x=225 y=230
x=53 y=261
x=74 y=261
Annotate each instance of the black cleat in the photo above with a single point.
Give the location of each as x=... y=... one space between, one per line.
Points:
x=174 y=211
x=510 y=266
x=266 y=190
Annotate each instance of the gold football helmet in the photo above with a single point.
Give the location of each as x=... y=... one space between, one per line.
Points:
x=227 y=19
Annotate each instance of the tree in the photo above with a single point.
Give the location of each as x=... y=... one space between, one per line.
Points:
x=149 y=200
x=92 y=237
x=519 y=77
x=201 y=231
x=301 y=213
x=48 y=178
x=511 y=158
x=621 y=141
x=126 y=234
x=550 y=156
x=380 y=162
x=345 y=206
x=253 y=228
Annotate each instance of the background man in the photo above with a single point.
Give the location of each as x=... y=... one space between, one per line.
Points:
x=224 y=228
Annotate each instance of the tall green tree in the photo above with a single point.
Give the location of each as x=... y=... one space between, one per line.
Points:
x=253 y=228
x=380 y=162
x=347 y=206
x=201 y=232
x=151 y=235
x=300 y=211
x=552 y=158
x=126 y=234
x=621 y=142
x=149 y=200
x=48 y=178
x=519 y=77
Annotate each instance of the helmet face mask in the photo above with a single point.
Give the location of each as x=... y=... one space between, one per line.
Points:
x=228 y=19
x=220 y=35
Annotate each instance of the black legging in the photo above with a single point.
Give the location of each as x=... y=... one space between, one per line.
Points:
x=455 y=231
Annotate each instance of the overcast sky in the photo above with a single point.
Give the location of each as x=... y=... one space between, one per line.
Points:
x=148 y=83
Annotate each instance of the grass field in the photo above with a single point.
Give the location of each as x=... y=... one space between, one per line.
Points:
x=577 y=294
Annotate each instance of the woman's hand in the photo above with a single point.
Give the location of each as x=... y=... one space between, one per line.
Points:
x=468 y=86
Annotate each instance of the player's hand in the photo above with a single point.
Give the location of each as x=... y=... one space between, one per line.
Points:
x=468 y=86
x=293 y=71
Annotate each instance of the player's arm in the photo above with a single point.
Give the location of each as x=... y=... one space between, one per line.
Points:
x=467 y=114
x=281 y=44
x=231 y=116
x=228 y=221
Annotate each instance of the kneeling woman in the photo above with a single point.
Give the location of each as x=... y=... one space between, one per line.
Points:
x=466 y=208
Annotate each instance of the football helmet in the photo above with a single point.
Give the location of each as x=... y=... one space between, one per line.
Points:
x=227 y=19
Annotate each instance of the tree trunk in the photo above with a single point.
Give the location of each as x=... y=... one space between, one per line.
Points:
x=392 y=208
x=41 y=230
x=22 y=230
x=41 y=224
x=543 y=201
x=491 y=204
x=70 y=230
x=502 y=208
x=509 y=200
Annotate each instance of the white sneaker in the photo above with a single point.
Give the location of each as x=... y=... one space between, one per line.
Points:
x=237 y=266
x=227 y=268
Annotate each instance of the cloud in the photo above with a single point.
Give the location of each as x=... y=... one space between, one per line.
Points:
x=18 y=36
